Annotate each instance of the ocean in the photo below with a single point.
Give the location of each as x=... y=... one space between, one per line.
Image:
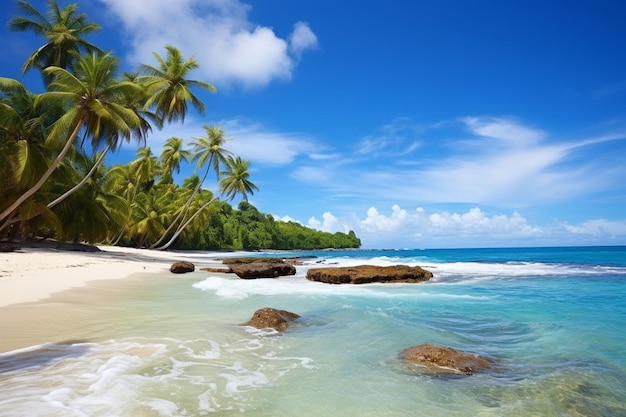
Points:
x=553 y=320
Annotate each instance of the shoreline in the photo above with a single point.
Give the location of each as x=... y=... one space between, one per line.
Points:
x=34 y=273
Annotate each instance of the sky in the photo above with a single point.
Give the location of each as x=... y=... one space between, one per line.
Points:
x=414 y=123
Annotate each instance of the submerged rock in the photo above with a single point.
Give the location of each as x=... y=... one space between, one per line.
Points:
x=443 y=360
x=182 y=267
x=366 y=274
x=271 y=318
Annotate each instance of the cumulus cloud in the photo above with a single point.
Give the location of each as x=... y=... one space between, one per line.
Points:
x=302 y=38
x=473 y=227
x=229 y=47
x=329 y=223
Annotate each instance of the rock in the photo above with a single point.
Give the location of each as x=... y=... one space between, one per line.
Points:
x=272 y=318
x=182 y=267
x=366 y=274
x=444 y=360
x=252 y=268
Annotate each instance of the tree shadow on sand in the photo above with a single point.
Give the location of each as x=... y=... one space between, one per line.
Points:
x=40 y=355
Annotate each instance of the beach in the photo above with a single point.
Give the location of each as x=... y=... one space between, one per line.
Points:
x=113 y=338
x=41 y=286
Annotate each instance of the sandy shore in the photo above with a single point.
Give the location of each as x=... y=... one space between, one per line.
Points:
x=35 y=273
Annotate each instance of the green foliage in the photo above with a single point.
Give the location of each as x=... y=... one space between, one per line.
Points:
x=249 y=229
x=53 y=184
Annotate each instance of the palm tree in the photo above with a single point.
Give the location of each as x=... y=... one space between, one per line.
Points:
x=145 y=168
x=91 y=100
x=171 y=157
x=169 y=90
x=209 y=152
x=96 y=210
x=23 y=158
x=64 y=31
x=236 y=179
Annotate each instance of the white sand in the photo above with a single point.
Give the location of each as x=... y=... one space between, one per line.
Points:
x=33 y=274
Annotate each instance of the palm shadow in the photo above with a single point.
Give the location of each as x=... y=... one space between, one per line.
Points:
x=35 y=356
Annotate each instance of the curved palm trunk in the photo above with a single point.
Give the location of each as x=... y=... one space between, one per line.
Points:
x=182 y=227
x=182 y=212
x=46 y=175
x=83 y=181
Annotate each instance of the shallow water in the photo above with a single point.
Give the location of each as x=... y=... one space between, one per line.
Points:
x=553 y=320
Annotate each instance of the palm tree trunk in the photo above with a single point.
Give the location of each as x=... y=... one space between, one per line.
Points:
x=182 y=211
x=46 y=175
x=84 y=180
x=182 y=227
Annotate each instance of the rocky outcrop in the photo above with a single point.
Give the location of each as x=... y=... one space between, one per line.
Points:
x=182 y=267
x=444 y=360
x=271 y=318
x=252 y=268
x=366 y=274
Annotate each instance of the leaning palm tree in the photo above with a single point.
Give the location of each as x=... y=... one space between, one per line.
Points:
x=235 y=179
x=64 y=31
x=234 y=182
x=209 y=153
x=91 y=101
x=133 y=99
x=169 y=89
x=171 y=157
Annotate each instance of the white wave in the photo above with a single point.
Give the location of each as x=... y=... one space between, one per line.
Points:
x=244 y=288
x=130 y=377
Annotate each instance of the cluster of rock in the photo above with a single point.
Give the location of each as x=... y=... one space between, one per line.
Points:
x=425 y=358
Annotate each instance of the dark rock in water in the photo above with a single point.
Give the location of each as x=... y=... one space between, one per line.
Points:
x=252 y=268
x=271 y=318
x=182 y=267
x=443 y=360
x=366 y=274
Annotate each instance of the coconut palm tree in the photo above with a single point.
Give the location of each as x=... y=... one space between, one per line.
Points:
x=91 y=101
x=96 y=210
x=171 y=157
x=23 y=158
x=169 y=90
x=64 y=31
x=235 y=179
x=208 y=152
x=145 y=168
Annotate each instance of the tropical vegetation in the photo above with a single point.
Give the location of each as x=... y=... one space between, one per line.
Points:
x=54 y=180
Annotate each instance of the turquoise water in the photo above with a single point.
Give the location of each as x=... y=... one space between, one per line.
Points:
x=553 y=320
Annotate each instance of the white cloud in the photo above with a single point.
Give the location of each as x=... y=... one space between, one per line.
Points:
x=598 y=227
x=229 y=47
x=302 y=38
x=504 y=164
x=329 y=223
x=265 y=146
x=474 y=227
x=507 y=130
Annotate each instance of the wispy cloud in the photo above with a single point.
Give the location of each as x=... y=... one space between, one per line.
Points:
x=501 y=163
x=230 y=48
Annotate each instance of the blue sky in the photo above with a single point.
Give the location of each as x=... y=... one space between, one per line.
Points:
x=421 y=124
